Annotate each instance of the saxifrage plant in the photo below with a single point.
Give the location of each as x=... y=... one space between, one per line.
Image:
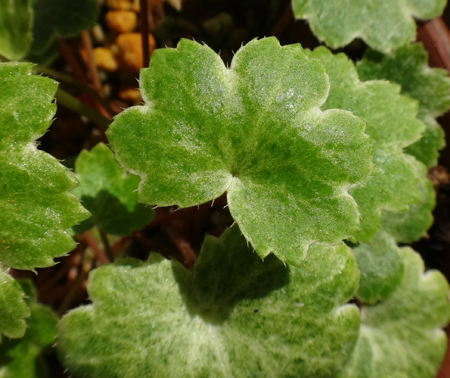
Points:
x=323 y=163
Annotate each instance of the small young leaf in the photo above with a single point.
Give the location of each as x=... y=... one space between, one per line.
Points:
x=13 y=309
x=412 y=225
x=391 y=122
x=382 y=24
x=60 y=18
x=20 y=358
x=401 y=337
x=254 y=130
x=381 y=268
x=109 y=193
x=35 y=204
x=408 y=67
x=236 y=316
x=15 y=28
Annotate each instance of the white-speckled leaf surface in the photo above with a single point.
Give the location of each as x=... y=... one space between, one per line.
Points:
x=234 y=316
x=36 y=207
x=402 y=336
x=254 y=130
x=382 y=24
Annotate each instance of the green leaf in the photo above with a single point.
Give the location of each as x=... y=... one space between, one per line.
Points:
x=391 y=122
x=381 y=268
x=15 y=28
x=401 y=337
x=254 y=130
x=43 y=57
x=382 y=24
x=61 y=19
x=20 y=358
x=236 y=316
x=427 y=148
x=412 y=225
x=13 y=309
x=408 y=67
x=109 y=193
x=35 y=204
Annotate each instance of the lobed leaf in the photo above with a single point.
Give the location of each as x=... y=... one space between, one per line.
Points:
x=383 y=24
x=13 y=309
x=254 y=130
x=408 y=67
x=233 y=316
x=381 y=268
x=35 y=205
x=109 y=193
x=391 y=122
x=402 y=336
x=21 y=358
x=16 y=17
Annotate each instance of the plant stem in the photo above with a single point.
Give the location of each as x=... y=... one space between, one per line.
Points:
x=71 y=61
x=283 y=22
x=144 y=32
x=436 y=38
x=182 y=245
x=87 y=45
x=81 y=276
x=77 y=106
x=91 y=243
x=106 y=246
x=75 y=83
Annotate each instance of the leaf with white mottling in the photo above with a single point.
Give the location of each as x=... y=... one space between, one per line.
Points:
x=233 y=316
x=381 y=268
x=36 y=207
x=382 y=24
x=402 y=336
x=408 y=67
x=412 y=225
x=254 y=130
x=392 y=123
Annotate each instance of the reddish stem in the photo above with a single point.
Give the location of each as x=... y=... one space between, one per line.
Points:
x=144 y=32
x=436 y=38
x=283 y=22
x=99 y=254
x=71 y=61
x=90 y=62
x=182 y=245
